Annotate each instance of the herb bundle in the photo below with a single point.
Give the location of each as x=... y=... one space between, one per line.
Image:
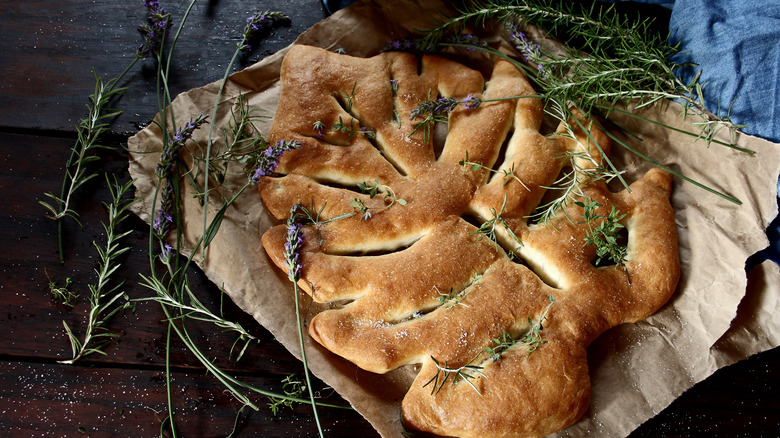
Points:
x=244 y=144
x=608 y=64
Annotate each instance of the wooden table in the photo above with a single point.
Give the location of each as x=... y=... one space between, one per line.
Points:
x=49 y=49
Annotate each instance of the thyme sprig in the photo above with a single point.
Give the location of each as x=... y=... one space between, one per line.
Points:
x=312 y=217
x=508 y=174
x=373 y=189
x=350 y=129
x=63 y=294
x=532 y=337
x=105 y=299
x=605 y=236
x=452 y=298
x=244 y=145
x=488 y=228
x=291 y=387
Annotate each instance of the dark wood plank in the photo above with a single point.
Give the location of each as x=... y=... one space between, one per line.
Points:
x=125 y=389
x=60 y=400
x=33 y=321
x=50 y=49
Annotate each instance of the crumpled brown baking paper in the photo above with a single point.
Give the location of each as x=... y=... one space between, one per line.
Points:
x=718 y=315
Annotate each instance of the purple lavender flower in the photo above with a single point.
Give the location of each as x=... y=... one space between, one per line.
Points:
x=292 y=247
x=164 y=171
x=529 y=49
x=434 y=107
x=469 y=40
x=422 y=45
x=319 y=128
x=167 y=251
x=471 y=102
x=394 y=85
x=408 y=45
x=162 y=223
x=258 y=25
x=269 y=160
x=367 y=132
x=171 y=151
x=154 y=31
x=444 y=105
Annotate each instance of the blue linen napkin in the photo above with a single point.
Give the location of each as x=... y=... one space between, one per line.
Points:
x=736 y=46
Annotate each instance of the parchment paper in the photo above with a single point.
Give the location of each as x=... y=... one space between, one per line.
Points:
x=718 y=315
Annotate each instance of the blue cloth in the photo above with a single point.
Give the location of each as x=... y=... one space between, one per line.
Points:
x=735 y=44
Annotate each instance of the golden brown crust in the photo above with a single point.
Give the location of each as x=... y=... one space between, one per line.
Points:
x=417 y=283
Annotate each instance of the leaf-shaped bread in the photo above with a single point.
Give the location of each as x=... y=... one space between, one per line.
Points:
x=497 y=311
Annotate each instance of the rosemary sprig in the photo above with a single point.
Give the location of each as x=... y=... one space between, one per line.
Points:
x=85 y=150
x=194 y=309
x=618 y=62
x=104 y=299
x=618 y=59
x=444 y=372
x=569 y=186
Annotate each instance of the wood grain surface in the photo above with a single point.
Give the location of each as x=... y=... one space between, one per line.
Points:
x=48 y=53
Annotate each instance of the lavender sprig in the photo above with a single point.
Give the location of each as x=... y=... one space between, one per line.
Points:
x=153 y=32
x=528 y=48
x=269 y=159
x=468 y=41
x=165 y=169
x=292 y=261
x=437 y=110
x=170 y=151
x=444 y=105
x=258 y=24
x=292 y=247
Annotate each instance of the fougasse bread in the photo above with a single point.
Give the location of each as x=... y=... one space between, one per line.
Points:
x=450 y=271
